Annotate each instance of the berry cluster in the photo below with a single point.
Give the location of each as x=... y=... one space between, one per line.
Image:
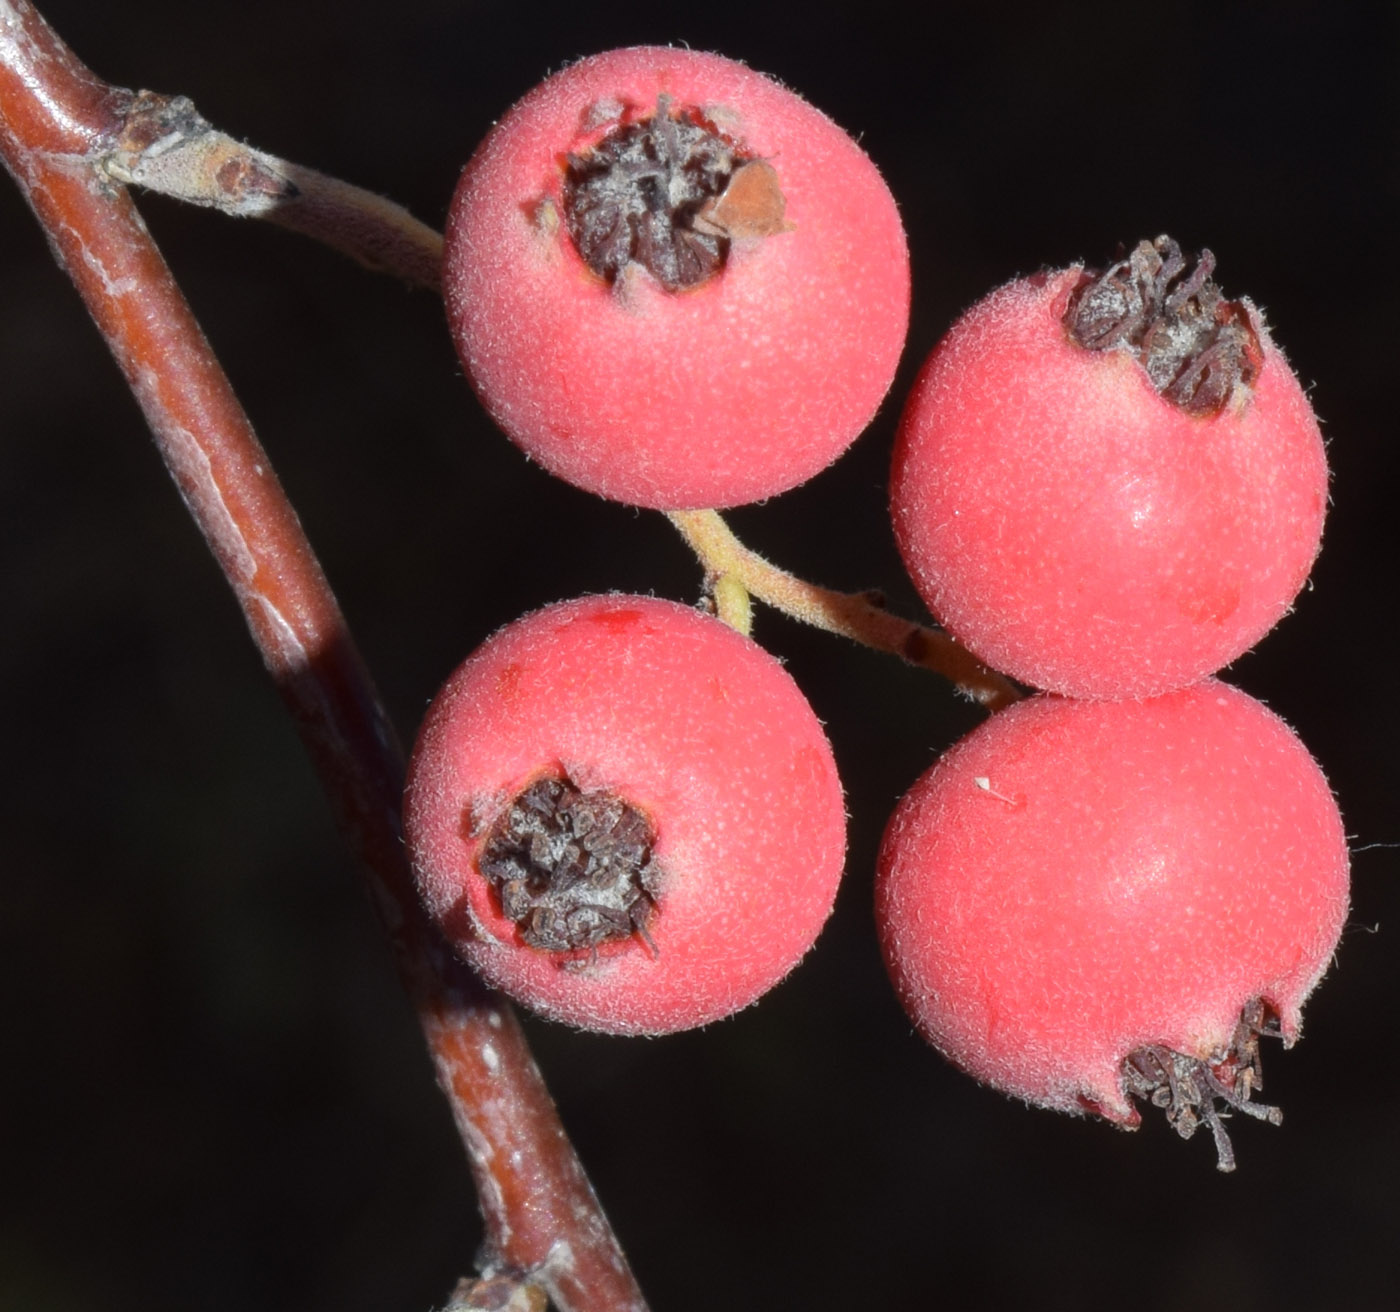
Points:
x=676 y=284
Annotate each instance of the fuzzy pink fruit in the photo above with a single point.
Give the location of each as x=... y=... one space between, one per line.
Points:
x=648 y=792
x=788 y=269
x=1089 y=527
x=1082 y=900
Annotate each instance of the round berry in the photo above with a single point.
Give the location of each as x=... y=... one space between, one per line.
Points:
x=1109 y=485
x=625 y=815
x=675 y=283
x=1088 y=901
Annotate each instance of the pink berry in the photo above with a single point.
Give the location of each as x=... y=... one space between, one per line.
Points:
x=1109 y=485
x=1087 y=901
x=675 y=283
x=625 y=815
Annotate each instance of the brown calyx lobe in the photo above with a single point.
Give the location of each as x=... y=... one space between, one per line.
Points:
x=573 y=869
x=652 y=192
x=1196 y=346
x=1188 y=1089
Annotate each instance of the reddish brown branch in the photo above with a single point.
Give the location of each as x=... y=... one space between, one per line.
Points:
x=58 y=125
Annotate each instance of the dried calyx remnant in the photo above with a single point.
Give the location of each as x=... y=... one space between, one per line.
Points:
x=667 y=192
x=573 y=869
x=1188 y=1088
x=1196 y=346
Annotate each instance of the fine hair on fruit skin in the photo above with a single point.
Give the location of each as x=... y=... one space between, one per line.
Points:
x=1079 y=529
x=710 y=773
x=675 y=283
x=1077 y=881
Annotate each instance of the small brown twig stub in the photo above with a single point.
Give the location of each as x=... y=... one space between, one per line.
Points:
x=167 y=146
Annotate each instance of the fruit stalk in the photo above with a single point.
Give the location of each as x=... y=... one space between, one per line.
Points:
x=853 y=615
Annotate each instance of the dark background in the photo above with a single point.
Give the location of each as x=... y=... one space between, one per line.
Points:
x=215 y=1095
